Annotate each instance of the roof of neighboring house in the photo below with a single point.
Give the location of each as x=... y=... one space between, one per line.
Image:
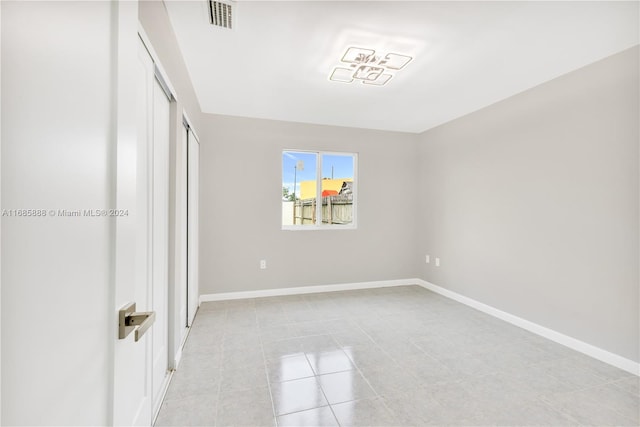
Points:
x=308 y=188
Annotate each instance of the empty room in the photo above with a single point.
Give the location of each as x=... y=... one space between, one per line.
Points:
x=320 y=213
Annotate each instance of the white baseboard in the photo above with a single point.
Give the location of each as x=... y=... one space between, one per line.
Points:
x=574 y=344
x=177 y=359
x=165 y=387
x=306 y=290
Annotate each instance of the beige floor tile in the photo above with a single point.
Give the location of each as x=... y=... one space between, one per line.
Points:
x=391 y=356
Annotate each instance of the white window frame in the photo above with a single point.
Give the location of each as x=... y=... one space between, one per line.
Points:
x=354 y=189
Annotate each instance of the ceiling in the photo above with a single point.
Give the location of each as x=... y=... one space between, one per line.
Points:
x=276 y=62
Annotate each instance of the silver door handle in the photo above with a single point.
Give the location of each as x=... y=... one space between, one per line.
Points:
x=129 y=320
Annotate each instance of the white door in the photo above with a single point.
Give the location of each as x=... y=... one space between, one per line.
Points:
x=160 y=241
x=193 y=181
x=181 y=235
x=141 y=247
x=132 y=363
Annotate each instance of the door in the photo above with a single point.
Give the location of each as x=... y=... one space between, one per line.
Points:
x=182 y=227
x=160 y=240
x=132 y=369
x=193 y=181
x=141 y=257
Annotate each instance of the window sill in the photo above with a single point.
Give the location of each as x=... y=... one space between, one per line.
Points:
x=318 y=227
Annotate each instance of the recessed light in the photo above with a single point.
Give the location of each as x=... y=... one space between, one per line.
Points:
x=365 y=66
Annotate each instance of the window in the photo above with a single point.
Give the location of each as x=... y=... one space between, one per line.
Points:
x=318 y=190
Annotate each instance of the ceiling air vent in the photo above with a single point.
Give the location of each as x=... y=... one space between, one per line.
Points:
x=221 y=14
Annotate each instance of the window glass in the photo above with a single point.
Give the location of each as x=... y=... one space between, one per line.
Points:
x=299 y=182
x=337 y=189
x=318 y=189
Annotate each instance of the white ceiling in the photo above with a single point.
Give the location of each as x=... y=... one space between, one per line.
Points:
x=275 y=63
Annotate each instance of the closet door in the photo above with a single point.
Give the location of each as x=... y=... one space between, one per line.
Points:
x=160 y=241
x=193 y=166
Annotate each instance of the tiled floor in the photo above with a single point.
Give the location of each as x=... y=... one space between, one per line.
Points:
x=390 y=357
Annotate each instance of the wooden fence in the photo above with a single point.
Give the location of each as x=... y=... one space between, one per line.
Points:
x=335 y=210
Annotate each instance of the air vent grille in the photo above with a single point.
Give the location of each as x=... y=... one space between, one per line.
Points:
x=221 y=14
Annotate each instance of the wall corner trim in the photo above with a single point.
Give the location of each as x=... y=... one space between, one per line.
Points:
x=570 y=342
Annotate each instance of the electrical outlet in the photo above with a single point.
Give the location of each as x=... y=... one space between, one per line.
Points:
x=437 y=262
x=427 y=259
x=263 y=264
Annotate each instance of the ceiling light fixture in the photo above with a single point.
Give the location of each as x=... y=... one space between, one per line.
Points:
x=367 y=67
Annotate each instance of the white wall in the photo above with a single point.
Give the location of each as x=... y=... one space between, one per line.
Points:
x=56 y=154
x=532 y=205
x=241 y=205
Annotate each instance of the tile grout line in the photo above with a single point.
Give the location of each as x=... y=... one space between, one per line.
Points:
x=335 y=417
x=324 y=393
x=266 y=373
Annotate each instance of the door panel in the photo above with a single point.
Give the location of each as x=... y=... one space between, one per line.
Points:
x=181 y=201
x=141 y=368
x=132 y=369
x=160 y=238
x=192 y=226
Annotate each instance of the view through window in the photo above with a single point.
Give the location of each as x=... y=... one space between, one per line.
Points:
x=318 y=189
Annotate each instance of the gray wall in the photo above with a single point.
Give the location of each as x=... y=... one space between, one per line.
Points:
x=240 y=215
x=532 y=204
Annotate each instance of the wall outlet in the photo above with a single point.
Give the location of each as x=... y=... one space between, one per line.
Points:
x=263 y=264
x=427 y=259
x=437 y=262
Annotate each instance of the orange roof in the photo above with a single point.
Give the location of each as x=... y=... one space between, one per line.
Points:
x=308 y=188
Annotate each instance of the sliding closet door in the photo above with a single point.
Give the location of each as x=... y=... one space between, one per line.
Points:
x=160 y=238
x=181 y=235
x=193 y=181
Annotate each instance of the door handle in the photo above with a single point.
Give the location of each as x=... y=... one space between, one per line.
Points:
x=130 y=320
